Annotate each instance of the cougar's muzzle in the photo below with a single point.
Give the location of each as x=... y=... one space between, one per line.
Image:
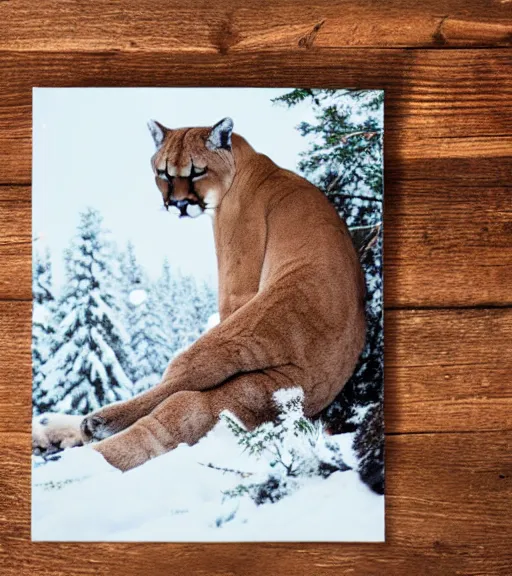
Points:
x=191 y=205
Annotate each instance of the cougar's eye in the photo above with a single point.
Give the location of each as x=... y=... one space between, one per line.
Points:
x=196 y=173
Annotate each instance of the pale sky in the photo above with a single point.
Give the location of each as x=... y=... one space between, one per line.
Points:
x=92 y=148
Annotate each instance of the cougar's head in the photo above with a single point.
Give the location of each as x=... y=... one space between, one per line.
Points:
x=193 y=167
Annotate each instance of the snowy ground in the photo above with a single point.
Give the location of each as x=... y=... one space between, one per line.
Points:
x=177 y=497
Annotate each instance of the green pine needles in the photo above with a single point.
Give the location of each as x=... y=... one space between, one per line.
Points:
x=286 y=451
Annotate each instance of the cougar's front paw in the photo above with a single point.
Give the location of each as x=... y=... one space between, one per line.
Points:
x=94 y=428
x=107 y=421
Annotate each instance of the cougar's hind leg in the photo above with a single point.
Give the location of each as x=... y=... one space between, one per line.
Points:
x=248 y=340
x=188 y=415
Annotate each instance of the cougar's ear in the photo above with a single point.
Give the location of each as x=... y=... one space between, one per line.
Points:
x=220 y=135
x=158 y=131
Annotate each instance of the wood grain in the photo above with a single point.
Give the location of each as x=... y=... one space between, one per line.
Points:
x=440 y=104
x=446 y=370
x=446 y=498
x=241 y=25
x=447 y=244
x=446 y=68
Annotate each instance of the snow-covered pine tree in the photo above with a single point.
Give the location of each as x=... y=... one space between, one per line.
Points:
x=289 y=451
x=88 y=363
x=186 y=307
x=165 y=294
x=344 y=160
x=369 y=447
x=209 y=304
x=186 y=324
x=43 y=324
x=195 y=303
x=149 y=342
x=121 y=275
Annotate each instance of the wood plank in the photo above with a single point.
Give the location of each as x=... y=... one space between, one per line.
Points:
x=461 y=173
x=446 y=370
x=440 y=104
x=246 y=25
x=444 y=492
x=448 y=242
x=15 y=243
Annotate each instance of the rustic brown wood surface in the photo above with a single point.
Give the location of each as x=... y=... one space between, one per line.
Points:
x=446 y=67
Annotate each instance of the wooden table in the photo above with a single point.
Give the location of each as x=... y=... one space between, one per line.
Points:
x=446 y=68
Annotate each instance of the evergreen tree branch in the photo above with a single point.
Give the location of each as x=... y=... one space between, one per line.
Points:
x=228 y=470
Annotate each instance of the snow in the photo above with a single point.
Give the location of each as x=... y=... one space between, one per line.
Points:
x=178 y=497
x=110 y=359
x=286 y=395
x=137 y=297
x=213 y=320
x=359 y=413
x=40 y=314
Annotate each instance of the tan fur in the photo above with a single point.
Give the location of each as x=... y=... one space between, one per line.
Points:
x=290 y=297
x=54 y=432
